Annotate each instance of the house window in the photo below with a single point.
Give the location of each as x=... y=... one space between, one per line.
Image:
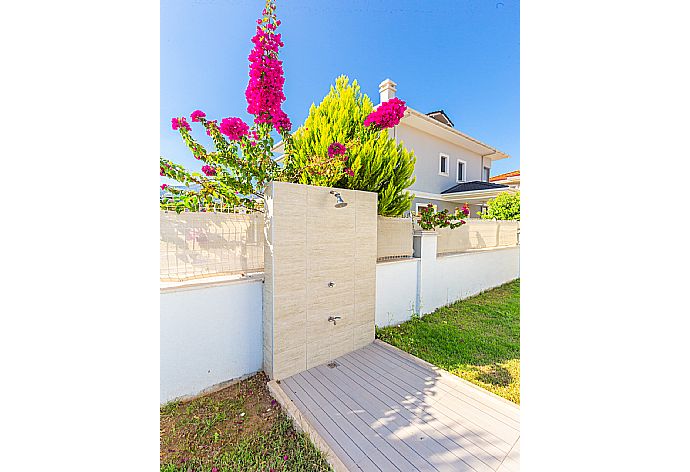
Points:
x=443 y=164
x=487 y=171
x=462 y=169
x=423 y=205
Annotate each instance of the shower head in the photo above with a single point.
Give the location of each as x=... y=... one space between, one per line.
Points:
x=340 y=202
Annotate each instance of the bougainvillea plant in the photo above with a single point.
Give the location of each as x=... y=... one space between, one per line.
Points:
x=237 y=171
x=429 y=219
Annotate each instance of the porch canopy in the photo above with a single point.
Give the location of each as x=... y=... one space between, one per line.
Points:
x=476 y=192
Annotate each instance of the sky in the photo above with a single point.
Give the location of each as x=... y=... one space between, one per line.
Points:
x=462 y=56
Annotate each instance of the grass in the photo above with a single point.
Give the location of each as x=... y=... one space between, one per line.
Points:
x=477 y=339
x=238 y=428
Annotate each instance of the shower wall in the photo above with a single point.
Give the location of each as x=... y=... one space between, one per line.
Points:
x=309 y=245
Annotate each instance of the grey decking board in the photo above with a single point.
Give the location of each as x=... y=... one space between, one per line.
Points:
x=459 y=444
x=375 y=406
x=511 y=463
x=328 y=435
x=390 y=449
x=498 y=404
x=417 y=418
x=474 y=393
x=367 y=439
x=411 y=456
x=407 y=382
x=488 y=399
x=469 y=431
x=458 y=386
x=432 y=453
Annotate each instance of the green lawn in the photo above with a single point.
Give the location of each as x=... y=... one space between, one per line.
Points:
x=239 y=428
x=477 y=339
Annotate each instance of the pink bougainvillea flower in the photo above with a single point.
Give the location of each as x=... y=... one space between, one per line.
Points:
x=180 y=123
x=285 y=458
x=336 y=149
x=264 y=91
x=387 y=115
x=234 y=128
x=215 y=469
x=349 y=172
x=196 y=114
x=164 y=186
x=208 y=170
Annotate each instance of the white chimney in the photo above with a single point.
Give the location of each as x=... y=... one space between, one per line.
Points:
x=387 y=90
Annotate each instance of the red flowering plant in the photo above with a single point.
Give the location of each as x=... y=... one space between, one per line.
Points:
x=429 y=220
x=237 y=171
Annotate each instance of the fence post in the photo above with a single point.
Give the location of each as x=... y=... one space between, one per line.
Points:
x=424 y=245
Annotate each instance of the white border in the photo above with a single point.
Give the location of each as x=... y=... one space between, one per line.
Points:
x=464 y=171
x=441 y=155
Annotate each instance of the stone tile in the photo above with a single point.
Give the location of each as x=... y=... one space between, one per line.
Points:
x=343 y=341
x=364 y=334
x=318 y=352
x=290 y=362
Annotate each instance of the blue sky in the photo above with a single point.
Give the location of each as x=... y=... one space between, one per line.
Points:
x=461 y=56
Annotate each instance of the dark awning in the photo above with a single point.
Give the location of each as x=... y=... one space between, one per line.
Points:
x=473 y=186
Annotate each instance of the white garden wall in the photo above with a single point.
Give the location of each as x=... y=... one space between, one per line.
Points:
x=210 y=333
x=396 y=291
x=459 y=276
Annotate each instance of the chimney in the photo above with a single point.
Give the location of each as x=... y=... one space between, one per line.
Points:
x=387 y=90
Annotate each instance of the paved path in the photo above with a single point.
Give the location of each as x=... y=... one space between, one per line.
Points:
x=381 y=409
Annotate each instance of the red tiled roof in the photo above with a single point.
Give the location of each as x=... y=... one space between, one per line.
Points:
x=515 y=173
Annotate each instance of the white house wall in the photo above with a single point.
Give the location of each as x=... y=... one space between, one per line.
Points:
x=427 y=149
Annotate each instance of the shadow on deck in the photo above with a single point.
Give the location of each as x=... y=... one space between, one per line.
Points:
x=379 y=408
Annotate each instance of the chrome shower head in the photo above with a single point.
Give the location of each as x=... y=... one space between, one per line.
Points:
x=340 y=202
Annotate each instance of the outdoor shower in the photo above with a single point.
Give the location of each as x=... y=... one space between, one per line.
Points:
x=340 y=202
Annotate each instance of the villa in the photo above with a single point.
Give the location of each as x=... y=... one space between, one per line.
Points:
x=452 y=168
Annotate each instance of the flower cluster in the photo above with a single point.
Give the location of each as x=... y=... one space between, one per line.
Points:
x=180 y=123
x=387 y=115
x=196 y=114
x=208 y=170
x=430 y=219
x=234 y=128
x=265 y=88
x=336 y=149
x=164 y=186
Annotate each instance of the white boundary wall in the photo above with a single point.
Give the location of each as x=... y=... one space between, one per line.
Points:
x=396 y=291
x=210 y=333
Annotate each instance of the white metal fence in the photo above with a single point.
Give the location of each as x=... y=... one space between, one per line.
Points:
x=204 y=244
x=230 y=242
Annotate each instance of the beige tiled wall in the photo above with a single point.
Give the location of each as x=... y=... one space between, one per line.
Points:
x=477 y=234
x=310 y=243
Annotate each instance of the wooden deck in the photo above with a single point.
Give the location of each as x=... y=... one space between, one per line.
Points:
x=382 y=409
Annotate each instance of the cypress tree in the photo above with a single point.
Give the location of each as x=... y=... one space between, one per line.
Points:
x=379 y=163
